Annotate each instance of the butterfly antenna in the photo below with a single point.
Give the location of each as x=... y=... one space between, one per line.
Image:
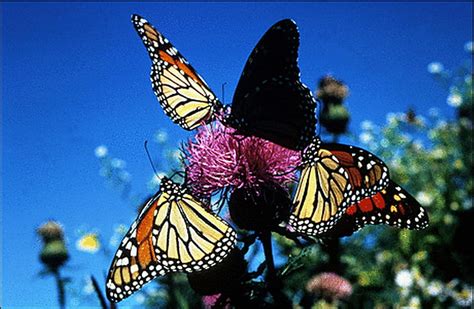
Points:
x=149 y=159
x=180 y=173
x=223 y=92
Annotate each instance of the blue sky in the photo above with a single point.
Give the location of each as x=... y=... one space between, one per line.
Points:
x=75 y=76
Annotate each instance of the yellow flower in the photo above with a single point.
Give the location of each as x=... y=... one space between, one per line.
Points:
x=88 y=243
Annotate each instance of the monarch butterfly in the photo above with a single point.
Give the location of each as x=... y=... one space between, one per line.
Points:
x=172 y=233
x=392 y=205
x=270 y=101
x=183 y=94
x=345 y=181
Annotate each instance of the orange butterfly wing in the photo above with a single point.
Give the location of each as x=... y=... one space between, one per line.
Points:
x=135 y=262
x=334 y=176
x=173 y=233
x=393 y=206
x=183 y=94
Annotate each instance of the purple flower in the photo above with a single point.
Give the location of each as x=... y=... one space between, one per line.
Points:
x=215 y=301
x=330 y=286
x=218 y=158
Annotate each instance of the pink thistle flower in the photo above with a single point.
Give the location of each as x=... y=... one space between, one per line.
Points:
x=213 y=301
x=330 y=286
x=217 y=158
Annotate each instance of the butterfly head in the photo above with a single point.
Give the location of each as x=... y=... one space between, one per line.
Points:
x=310 y=153
x=171 y=187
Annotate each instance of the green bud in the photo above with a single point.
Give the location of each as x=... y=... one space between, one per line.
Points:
x=54 y=254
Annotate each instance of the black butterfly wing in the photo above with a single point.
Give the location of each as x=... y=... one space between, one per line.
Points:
x=393 y=206
x=270 y=101
x=274 y=55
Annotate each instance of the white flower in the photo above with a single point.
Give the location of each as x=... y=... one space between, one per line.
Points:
x=125 y=176
x=414 y=302
x=161 y=136
x=468 y=47
x=366 y=137
x=391 y=118
x=367 y=125
x=101 y=151
x=88 y=288
x=418 y=145
x=424 y=198
x=119 y=231
x=441 y=124
x=434 y=288
x=88 y=243
x=404 y=279
x=396 y=163
x=435 y=67
x=421 y=120
x=433 y=112
x=104 y=172
x=454 y=99
x=118 y=163
x=140 y=298
x=467 y=203
x=464 y=297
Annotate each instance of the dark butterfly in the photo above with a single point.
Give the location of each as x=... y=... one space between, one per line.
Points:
x=270 y=100
x=173 y=233
x=342 y=188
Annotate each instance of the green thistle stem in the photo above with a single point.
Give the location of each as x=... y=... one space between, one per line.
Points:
x=101 y=297
x=61 y=290
x=273 y=282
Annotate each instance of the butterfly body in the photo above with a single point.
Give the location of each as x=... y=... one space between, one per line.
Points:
x=173 y=233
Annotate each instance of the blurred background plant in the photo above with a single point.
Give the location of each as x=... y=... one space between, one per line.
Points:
x=428 y=154
x=54 y=255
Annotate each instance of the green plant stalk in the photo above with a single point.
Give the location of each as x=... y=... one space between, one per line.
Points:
x=273 y=282
x=61 y=290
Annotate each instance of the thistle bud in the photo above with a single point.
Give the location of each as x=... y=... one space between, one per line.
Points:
x=50 y=231
x=54 y=253
x=331 y=90
x=258 y=210
x=334 y=115
x=224 y=277
x=335 y=118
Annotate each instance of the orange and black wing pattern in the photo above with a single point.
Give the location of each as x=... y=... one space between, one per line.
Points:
x=333 y=177
x=393 y=206
x=173 y=233
x=183 y=94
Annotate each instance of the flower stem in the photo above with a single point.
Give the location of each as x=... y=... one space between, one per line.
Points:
x=101 y=297
x=333 y=249
x=61 y=291
x=273 y=282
